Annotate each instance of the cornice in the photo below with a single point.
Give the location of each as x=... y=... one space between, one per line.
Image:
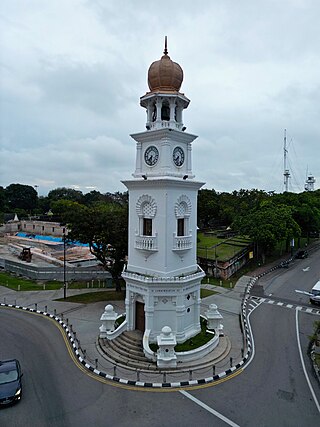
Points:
x=167 y=133
x=160 y=182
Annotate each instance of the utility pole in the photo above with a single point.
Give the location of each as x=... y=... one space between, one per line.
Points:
x=286 y=172
x=64 y=268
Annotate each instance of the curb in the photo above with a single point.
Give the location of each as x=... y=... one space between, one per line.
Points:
x=163 y=385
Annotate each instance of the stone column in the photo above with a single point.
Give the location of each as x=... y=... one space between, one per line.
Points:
x=108 y=318
x=159 y=106
x=213 y=317
x=166 y=357
x=139 y=158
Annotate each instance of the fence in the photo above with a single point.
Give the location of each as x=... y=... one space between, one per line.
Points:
x=53 y=273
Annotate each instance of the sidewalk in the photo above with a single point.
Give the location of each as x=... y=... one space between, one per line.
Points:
x=85 y=321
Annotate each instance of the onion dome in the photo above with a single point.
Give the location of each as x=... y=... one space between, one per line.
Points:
x=165 y=75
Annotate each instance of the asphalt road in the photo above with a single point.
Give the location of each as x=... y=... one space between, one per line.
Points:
x=282 y=283
x=57 y=393
x=271 y=391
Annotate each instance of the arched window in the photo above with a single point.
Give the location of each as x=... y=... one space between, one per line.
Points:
x=165 y=111
x=146 y=209
x=182 y=212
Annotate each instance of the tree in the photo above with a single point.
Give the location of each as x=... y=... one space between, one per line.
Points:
x=19 y=196
x=208 y=208
x=65 y=194
x=267 y=225
x=2 y=199
x=105 y=228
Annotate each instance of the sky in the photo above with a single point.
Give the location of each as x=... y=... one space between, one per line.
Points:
x=73 y=71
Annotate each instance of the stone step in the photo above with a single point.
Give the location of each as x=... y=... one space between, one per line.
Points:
x=128 y=346
x=125 y=342
x=136 y=354
x=125 y=362
x=132 y=337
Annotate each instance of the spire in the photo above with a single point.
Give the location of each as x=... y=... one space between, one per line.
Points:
x=165 y=46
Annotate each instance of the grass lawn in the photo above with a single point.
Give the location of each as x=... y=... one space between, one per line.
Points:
x=206 y=293
x=13 y=282
x=207 y=248
x=219 y=282
x=91 y=297
x=195 y=342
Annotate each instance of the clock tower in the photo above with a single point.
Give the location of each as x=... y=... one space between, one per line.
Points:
x=162 y=276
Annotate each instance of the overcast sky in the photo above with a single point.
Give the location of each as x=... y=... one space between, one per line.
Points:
x=72 y=73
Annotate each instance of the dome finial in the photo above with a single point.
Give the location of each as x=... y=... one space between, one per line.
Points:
x=165 y=46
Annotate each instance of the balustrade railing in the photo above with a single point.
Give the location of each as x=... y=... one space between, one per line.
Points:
x=146 y=243
x=182 y=243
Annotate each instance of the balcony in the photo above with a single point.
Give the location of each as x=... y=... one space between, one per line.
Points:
x=146 y=243
x=182 y=243
x=164 y=124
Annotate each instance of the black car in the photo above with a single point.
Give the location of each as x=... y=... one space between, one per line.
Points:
x=10 y=381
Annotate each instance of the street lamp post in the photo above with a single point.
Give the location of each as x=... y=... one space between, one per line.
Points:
x=216 y=262
x=64 y=267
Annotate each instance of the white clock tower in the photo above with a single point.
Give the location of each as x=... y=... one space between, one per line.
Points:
x=162 y=276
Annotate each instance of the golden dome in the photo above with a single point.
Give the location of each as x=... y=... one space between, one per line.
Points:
x=165 y=75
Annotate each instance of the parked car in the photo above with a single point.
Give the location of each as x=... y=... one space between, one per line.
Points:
x=10 y=381
x=301 y=254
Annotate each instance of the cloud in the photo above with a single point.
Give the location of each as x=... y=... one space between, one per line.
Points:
x=72 y=74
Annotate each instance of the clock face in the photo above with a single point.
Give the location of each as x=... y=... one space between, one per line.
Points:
x=151 y=155
x=178 y=156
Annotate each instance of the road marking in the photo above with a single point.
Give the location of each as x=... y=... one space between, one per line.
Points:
x=302 y=362
x=306 y=269
x=252 y=340
x=207 y=408
x=112 y=383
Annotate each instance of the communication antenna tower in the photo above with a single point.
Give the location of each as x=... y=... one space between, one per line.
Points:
x=286 y=172
x=310 y=180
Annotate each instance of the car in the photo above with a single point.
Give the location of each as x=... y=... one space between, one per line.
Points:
x=315 y=294
x=10 y=381
x=301 y=254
